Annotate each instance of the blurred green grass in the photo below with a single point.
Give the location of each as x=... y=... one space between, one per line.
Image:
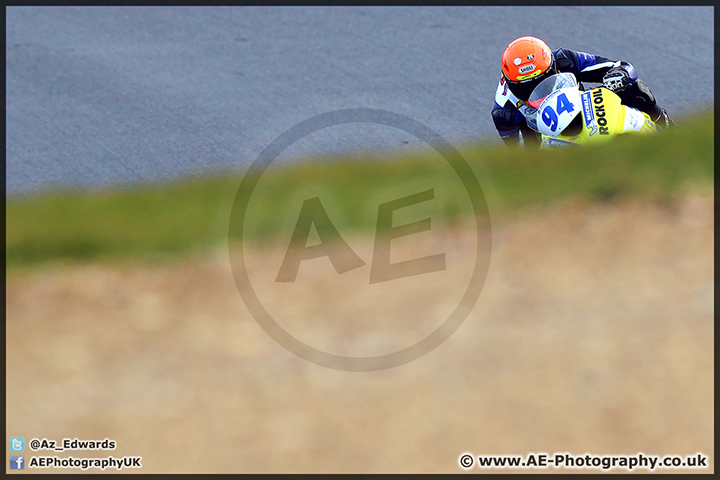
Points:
x=166 y=220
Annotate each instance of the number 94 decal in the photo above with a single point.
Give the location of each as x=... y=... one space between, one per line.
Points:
x=550 y=116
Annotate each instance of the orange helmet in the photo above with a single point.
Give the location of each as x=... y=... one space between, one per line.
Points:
x=526 y=62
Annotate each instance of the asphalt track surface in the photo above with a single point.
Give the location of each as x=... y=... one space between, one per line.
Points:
x=98 y=96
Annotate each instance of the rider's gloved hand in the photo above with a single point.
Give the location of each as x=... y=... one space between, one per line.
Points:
x=616 y=79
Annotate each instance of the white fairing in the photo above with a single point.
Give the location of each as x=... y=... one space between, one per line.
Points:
x=634 y=120
x=558 y=110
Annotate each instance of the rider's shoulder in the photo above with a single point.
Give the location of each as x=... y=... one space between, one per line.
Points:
x=565 y=58
x=504 y=97
x=576 y=61
x=564 y=52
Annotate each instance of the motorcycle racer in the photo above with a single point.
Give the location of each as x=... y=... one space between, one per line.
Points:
x=528 y=60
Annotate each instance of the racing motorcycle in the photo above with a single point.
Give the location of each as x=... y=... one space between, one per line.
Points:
x=566 y=115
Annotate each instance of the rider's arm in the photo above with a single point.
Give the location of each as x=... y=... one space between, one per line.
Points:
x=507 y=121
x=590 y=68
x=510 y=124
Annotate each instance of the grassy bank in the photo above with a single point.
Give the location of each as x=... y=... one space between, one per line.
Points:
x=171 y=219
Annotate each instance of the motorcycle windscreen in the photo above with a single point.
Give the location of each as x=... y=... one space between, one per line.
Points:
x=550 y=85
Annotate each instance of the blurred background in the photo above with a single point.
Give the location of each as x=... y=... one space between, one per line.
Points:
x=101 y=95
x=129 y=131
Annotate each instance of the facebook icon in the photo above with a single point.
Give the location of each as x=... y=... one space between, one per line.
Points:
x=17 y=462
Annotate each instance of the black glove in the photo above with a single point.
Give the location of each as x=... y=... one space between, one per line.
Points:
x=616 y=79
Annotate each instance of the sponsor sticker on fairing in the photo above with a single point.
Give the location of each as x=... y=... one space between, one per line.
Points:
x=556 y=142
x=634 y=120
x=588 y=114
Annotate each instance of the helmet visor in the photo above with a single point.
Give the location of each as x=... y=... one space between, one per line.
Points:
x=524 y=88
